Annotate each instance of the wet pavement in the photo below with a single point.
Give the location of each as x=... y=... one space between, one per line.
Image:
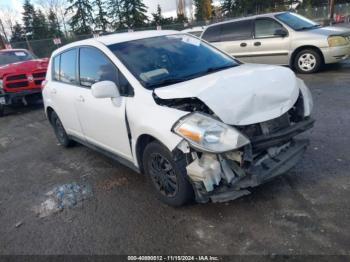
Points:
x=305 y=212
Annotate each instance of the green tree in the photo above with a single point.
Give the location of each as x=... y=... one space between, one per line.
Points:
x=82 y=16
x=134 y=13
x=158 y=18
x=28 y=18
x=53 y=25
x=17 y=33
x=115 y=13
x=40 y=26
x=204 y=9
x=100 y=19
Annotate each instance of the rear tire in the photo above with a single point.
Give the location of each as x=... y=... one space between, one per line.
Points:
x=2 y=110
x=168 y=176
x=60 y=132
x=307 y=61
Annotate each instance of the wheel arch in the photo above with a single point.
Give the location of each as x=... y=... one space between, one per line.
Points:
x=141 y=143
x=300 y=48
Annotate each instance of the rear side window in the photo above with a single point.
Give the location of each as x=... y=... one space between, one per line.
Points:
x=240 y=30
x=212 y=34
x=56 y=68
x=95 y=67
x=266 y=27
x=68 y=67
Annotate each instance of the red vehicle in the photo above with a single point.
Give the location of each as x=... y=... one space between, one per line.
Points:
x=21 y=74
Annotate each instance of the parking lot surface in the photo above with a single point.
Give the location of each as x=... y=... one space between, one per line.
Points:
x=305 y=212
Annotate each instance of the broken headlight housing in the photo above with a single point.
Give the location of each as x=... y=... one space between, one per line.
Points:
x=208 y=134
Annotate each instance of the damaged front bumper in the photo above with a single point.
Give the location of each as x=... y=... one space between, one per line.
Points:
x=227 y=176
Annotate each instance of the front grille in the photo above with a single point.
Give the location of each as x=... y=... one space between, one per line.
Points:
x=38 y=82
x=39 y=75
x=17 y=84
x=16 y=77
x=275 y=125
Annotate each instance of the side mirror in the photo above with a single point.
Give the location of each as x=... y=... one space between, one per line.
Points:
x=105 y=89
x=281 y=32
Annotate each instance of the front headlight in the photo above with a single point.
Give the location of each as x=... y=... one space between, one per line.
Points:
x=337 y=41
x=1 y=83
x=208 y=134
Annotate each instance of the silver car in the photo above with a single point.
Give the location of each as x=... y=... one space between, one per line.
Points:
x=282 y=38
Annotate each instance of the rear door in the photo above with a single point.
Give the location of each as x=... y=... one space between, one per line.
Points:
x=235 y=38
x=103 y=120
x=63 y=89
x=268 y=47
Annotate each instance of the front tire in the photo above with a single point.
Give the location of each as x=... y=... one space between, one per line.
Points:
x=167 y=175
x=307 y=61
x=60 y=132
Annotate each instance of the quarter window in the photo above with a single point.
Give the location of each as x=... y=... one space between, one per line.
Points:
x=56 y=68
x=240 y=30
x=266 y=28
x=68 y=67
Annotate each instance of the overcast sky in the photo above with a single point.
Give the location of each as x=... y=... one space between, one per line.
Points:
x=168 y=6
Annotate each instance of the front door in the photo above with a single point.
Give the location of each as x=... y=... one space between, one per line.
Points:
x=269 y=47
x=102 y=119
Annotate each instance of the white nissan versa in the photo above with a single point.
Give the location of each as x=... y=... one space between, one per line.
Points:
x=196 y=121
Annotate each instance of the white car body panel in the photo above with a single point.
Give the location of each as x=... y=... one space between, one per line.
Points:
x=241 y=95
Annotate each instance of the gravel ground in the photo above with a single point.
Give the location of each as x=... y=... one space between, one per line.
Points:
x=304 y=212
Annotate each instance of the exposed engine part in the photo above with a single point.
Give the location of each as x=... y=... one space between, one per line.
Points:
x=190 y=104
x=206 y=169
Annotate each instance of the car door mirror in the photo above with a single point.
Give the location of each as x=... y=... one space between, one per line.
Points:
x=281 y=32
x=105 y=89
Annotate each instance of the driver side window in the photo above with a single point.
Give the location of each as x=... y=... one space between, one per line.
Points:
x=94 y=67
x=266 y=28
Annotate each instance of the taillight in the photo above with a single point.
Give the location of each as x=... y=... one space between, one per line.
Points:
x=43 y=84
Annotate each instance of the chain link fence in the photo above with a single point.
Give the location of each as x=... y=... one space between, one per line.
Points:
x=44 y=47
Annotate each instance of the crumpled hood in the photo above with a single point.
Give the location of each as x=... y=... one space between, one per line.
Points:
x=23 y=67
x=242 y=95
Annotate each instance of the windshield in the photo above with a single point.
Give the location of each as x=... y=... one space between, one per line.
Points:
x=10 y=57
x=165 y=60
x=297 y=22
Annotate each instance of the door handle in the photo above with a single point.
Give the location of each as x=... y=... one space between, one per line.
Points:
x=80 y=99
x=257 y=43
x=243 y=44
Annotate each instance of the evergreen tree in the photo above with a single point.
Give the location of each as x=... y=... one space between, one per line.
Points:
x=82 y=17
x=40 y=27
x=115 y=12
x=53 y=25
x=28 y=17
x=134 y=13
x=17 y=33
x=204 y=9
x=158 y=18
x=100 y=19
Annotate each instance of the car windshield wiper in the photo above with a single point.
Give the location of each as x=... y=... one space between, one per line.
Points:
x=219 y=68
x=308 y=27
x=168 y=81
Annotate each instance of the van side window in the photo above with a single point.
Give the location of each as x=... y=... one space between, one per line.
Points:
x=240 y=30
x=94 y=66
x=56 y=68
x=68 y=67
x=212 y=34
x=266 y=27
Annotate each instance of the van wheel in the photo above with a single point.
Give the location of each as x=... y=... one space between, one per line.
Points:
x=167 y=175
x=60 y=132
x=307 y=61
x=2 y=110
